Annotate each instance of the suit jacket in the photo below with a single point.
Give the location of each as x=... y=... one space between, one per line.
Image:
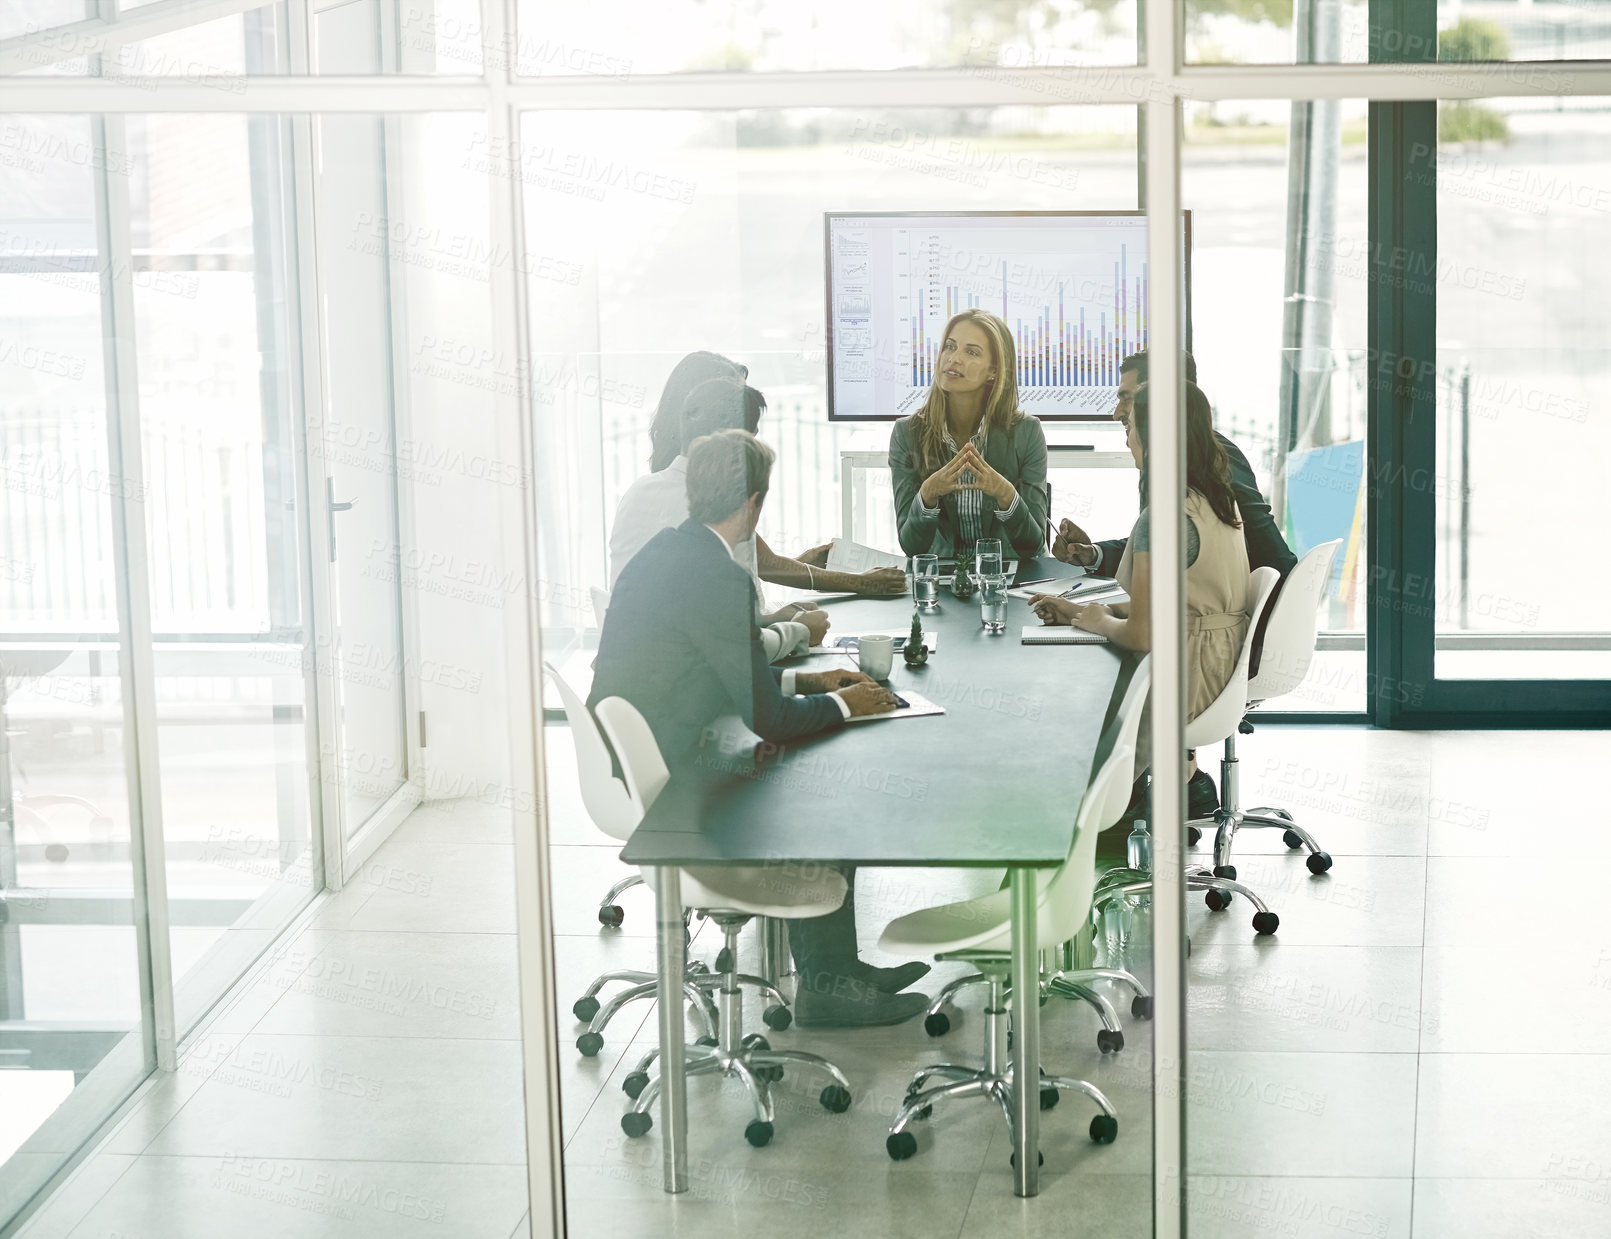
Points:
x=1018 y=454
x=680 y=643
x=1265 y=545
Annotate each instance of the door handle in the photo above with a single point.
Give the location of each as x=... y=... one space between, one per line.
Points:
x=332 y=506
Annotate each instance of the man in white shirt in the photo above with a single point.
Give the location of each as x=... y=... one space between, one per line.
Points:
x=659 y=501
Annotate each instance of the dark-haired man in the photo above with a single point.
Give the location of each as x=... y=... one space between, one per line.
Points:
x=681 y=644
x=1265 y=545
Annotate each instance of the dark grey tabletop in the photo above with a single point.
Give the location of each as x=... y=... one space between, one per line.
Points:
x=995 y=781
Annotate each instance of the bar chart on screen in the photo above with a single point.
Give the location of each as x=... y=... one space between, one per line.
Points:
x=1071 y=288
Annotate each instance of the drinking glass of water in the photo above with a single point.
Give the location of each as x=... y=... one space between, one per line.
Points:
x=926 y=581
x=987 y=557
x=993 y=602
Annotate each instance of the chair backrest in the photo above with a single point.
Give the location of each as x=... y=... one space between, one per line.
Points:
x=636 y=750
x=601 y=603
x=1289 y=637
x=1067 y=901
x=1224 y=714
x=608 y=801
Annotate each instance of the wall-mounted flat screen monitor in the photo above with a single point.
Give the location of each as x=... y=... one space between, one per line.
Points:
x=1070 y=285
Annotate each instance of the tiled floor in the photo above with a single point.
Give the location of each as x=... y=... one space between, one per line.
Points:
x=1423 y=1050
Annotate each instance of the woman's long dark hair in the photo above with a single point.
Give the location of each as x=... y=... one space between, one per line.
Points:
x=665 y=432
x=1208 y=469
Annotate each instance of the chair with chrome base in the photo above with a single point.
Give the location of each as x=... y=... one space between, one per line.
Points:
x=1289 y=647
x=978 y=931
x=611 y=807
x=730 y=897
x=1218 y=722
x=1070 y=982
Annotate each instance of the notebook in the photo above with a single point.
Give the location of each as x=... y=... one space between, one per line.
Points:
x=1033 y=635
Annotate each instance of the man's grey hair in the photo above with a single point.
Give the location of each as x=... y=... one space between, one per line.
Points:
x=724 y=470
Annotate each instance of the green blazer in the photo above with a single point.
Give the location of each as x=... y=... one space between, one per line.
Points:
x=1018 y=454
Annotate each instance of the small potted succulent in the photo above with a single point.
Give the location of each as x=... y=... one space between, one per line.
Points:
x=916 y=652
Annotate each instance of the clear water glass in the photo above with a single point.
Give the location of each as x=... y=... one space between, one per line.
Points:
x=926 y=581
x=993 y=602
x=987 y=560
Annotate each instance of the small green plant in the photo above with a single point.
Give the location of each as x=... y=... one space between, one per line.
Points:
x=916 y=652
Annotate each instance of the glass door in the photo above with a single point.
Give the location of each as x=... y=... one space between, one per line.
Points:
x=353 y=446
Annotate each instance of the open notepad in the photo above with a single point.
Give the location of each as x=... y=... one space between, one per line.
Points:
x=915 y=707
x=1059 y=635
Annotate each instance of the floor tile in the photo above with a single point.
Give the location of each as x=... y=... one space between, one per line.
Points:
x=460 y=821
x=1513 y=1116
x=368 y=1098
x=1234 y=1207
x=1471 y=900
x=432 y=884
x=244 y=1197
x=1483 y=1208
x=1113 y=1206
x=72 y=1201
x=1285 y=997
x=1308 y=1115
x=402 y=985
x=1363 y=901
x=1468 y=996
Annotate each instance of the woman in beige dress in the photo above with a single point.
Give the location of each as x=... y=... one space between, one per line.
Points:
x=1217 y=569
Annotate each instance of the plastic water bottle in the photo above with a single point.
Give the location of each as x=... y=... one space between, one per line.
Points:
x=1140 y=847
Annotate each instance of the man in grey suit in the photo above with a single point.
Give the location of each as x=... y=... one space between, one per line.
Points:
x=680 y=642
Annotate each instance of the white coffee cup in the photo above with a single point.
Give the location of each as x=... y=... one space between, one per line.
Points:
x=877 y=656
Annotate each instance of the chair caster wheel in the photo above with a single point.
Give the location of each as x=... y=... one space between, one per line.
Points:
x=1292 y=838
x=584 y=1009
x=937 y=1025
x=835 y=1098
x=900 y=1146
x=777 y=1017
x=635 y=1083
x=1318 y=862
x=707 y=1040
x=590 y=1043
x=1013 y=1160
x=635 y=1124
x=1225 y=871
x=724 y=961
x=758 y=1133
x=1048 y=1098
x=1104 y=1129
x=1109 y=1042
x=770 y=1074
x=1193 y=835
x=1265 y=922
x=754 y=1041
x=56 y=853
x=1216 y=899
x=1141 y=1006
x=611 y=916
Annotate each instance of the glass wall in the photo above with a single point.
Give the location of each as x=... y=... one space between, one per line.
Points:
x=654 y=234
x=74 y=1002
x=1523 y=193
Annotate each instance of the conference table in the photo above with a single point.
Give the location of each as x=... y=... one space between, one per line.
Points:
x=1001 y=775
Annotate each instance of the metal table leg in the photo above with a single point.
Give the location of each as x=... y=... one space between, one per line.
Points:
x=1026 y=1032
x=673 y=953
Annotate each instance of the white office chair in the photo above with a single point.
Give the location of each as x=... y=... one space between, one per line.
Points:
x=1289 y=647
x=979 y=931
x=615 y=813
x=1070 y=982
x=730 y=896
x=1219 y=721
x=611 y=914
